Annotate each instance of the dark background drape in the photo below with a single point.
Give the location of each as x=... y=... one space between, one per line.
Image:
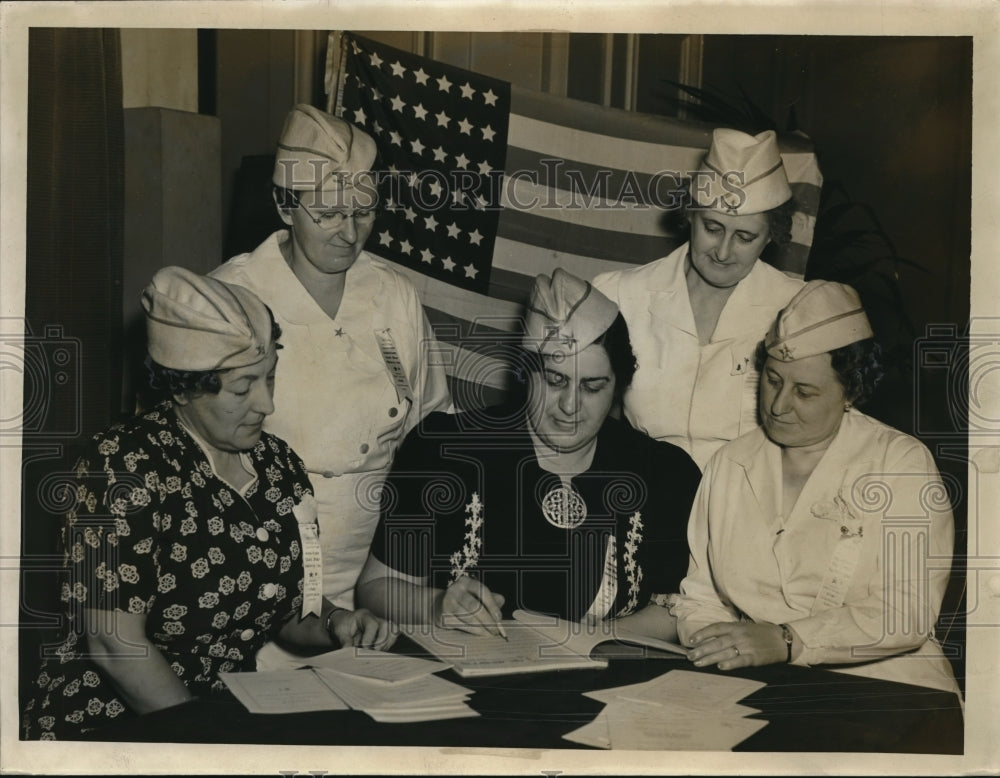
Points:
x=73 y=327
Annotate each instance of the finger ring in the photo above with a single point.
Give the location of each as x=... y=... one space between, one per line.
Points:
x=737 y=650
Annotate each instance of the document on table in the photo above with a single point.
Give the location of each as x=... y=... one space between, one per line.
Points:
x=637 y=726
x=282 y=691
x=535 y=643
x=421 y=699
x=355 y=661
x=679 y=710
x=388 y=688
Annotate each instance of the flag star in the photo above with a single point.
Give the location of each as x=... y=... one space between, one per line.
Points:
x=448 y=263
x=435 y=188
x=410 y=214
x=490 y=98
x=456 y=196
x=465 y=127
x=475 y=237
x=420 y=111
x=440 y=155
x=430 y=222
x=390 y=204
x=385 y=239
x=355 y=47
x=393 y=169
x=405 y=247
x=462 y=162
x=359 y=116
x=418 y=147
x=420 y=76
x=484 y=168
x=411 y=180
x=470 y=271
x=488 y=132
x=426 y=256
x=397 y=139
x=376 y=95
x=453 y=230
x=376 y=128
x=468 y=91
x=480 y=203
x=397 y=69
x=443 y=83
x=376 y=60
x=397 y=104
x=442 y=118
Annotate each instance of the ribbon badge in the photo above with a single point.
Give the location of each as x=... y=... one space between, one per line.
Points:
x=307 y=515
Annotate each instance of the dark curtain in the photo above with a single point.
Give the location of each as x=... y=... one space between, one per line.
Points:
x=73 y=307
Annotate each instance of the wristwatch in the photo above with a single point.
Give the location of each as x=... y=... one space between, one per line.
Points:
x=786 y=635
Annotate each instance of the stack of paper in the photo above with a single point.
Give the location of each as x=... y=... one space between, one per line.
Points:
x=680 y=710
x=421 y=699
x=387 y=687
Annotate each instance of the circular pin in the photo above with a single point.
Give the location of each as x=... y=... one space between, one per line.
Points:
x=394 y=411
x=364 y=448
x=247 y=634
x=262 y=534
x=269 y=590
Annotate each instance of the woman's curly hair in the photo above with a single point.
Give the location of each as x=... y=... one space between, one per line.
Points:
x=858 y=367
x=617 y=344
x=167 y=382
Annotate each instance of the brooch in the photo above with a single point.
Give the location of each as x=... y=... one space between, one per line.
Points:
x=563 y=507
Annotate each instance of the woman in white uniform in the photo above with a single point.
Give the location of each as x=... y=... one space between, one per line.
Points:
x=697 y=314
x=357 y=372
x=823 y=536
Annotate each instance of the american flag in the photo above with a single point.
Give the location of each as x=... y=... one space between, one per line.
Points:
x=492 y=184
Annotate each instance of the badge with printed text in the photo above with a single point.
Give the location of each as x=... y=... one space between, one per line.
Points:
x=307 y=515
x=390 y=355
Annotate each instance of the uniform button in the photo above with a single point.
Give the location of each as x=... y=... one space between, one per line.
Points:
x=328 y=474
x=247 y=634
x=269 y=590
x=364 y=448
x=394 y=411
x=262 y=534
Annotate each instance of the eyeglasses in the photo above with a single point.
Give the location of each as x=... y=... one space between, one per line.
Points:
x=332 y=220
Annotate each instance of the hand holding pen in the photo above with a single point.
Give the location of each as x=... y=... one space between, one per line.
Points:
x=468 y=605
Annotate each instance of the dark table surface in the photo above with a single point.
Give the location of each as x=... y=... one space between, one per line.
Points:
x=807 y=709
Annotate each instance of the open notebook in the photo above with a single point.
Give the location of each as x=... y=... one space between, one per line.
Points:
x=535 y=643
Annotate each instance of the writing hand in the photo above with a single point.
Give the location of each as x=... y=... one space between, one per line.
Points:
x=469 y=605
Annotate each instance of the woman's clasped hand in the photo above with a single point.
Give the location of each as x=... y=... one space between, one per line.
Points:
x=732 y=645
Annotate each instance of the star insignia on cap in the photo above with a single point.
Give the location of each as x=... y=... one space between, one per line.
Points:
x=339 y=332
x=785 y=351
x=568 y=340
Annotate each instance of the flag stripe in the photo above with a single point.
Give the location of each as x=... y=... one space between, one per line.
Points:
x=529 y=259
x=560 y=237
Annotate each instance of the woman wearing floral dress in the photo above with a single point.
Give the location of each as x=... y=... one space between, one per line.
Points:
x=547 y=505
x=191 y=539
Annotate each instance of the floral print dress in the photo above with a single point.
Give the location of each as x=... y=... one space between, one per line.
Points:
x=155 y=532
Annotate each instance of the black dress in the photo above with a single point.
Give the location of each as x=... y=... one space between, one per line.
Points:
x=465 y=496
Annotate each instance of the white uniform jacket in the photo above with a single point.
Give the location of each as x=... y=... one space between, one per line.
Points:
x=857 y=567
x=696 y=397
x=335 y=401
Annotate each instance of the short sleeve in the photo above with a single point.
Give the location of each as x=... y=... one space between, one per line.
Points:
x=110 y=530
